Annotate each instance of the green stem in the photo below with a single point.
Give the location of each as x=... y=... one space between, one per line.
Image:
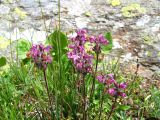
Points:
x=46 y=85
x=94 y=78
x=11 y=55
x=84 y=98
x=135 y=76
x=112 y=109
x=101 y=105
x=59 y=43
x=59 y=83
x=17 y=48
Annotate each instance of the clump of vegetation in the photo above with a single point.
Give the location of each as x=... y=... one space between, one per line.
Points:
x=67 y=79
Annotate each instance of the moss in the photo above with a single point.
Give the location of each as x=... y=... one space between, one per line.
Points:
x=115 y=2
x=4 y=42
x=133 y=10
x=20 y=13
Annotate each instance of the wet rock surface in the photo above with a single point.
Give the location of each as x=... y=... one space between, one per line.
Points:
x=135 y=25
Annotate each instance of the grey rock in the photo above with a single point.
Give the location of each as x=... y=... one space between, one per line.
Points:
x=81 y=22
x=118 y=25
x=76 y=7
x=155 y=68
x=4 y=9
x=143 y=20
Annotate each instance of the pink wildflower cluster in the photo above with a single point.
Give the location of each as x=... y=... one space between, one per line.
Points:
x=80 y=58
x=112 y=87
x=40 y=55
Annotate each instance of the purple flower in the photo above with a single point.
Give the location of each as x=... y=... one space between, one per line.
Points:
x=123 y=85
x=106 y=79
x=101 y=78
x=122 y=94
x=47 y=59
x=99 y=41
x=112 y=87
x=92 y=39
x=48 y=48
x=112 y=91
x=75 y=58
x=70 y=54
x=80 y=58
x=111 y=76
x=71 y=46
x=110 y=81
x=40 y=55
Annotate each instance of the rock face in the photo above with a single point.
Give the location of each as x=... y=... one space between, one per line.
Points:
x=135 y=24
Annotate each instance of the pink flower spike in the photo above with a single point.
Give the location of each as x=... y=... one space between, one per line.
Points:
x=40 y=55
x=102 y=40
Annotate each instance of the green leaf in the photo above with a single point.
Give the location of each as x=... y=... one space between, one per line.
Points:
x=23 y=47
x=25 y=61
x=3 y=61
x=124 y=107
x=108 y=47
x=53 y=39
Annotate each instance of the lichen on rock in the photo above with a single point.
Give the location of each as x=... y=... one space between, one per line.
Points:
x=4 y=42
x=20 y=13
x=133 y=10
x=114 y=2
